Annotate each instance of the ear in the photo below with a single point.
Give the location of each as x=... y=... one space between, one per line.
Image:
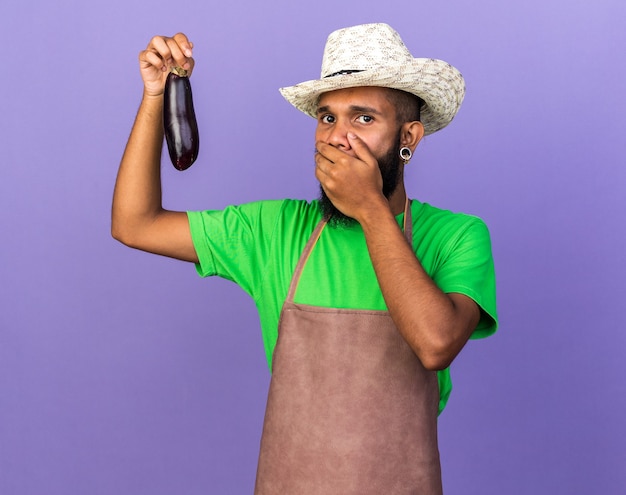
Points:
x=411 y=133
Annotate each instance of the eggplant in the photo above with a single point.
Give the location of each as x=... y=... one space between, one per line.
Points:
x=179 y=120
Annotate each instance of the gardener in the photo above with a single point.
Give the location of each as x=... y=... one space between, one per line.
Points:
x=365 y=296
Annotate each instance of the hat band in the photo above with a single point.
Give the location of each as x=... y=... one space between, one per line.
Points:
x=343 y=73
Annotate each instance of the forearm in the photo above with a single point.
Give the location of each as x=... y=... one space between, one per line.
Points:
x=137 y=195
x=436 y=325
x=137 y=217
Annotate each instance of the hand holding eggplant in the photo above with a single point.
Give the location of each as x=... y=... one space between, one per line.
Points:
x=161 y=54
x=165 y=66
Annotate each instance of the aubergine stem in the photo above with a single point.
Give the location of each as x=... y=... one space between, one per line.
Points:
x=179 y=71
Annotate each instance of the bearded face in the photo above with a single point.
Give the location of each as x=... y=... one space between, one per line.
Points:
x=389 y=165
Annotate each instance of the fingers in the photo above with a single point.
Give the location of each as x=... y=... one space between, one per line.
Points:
x=341 y=172
x=358 y=149
x=164 y=52
x=161 y=54
x=328 y=162
x=361 y=149
x=334 y=165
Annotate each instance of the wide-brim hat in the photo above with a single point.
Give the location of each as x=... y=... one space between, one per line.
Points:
x=375 y=55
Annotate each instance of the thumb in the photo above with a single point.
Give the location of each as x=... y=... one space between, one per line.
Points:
x=361 y=149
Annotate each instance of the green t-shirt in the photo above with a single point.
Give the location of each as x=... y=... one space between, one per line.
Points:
x=257 y=245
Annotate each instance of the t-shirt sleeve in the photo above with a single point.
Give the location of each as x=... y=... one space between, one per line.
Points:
x=233 y=243
x=467 y=268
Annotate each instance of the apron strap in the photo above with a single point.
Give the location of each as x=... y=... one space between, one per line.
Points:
x=317 y=232
x=304 y=257
x=408 y=222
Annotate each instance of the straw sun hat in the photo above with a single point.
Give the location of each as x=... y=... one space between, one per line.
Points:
x=374 y=55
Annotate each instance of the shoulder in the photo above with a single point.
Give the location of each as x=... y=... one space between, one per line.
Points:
x=425 y=212
x=263 y=209
x=428 y=218
x=285 y=210
x=298 y=207
x=268 y=219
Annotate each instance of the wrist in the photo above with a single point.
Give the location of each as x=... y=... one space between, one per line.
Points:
x=149 y=95
x=375 y=212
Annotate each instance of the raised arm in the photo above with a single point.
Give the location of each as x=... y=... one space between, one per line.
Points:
x=138 y=218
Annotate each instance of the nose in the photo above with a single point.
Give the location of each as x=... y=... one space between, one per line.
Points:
x=338 y=136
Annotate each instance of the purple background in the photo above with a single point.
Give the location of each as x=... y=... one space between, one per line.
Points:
x=124 y=373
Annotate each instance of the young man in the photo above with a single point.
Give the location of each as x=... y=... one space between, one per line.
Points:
x=365 y=297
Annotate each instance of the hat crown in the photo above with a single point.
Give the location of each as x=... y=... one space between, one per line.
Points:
x=375 y=55
x=363 y=47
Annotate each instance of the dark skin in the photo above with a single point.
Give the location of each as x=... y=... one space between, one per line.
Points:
x=355 y=127
x=138 y=218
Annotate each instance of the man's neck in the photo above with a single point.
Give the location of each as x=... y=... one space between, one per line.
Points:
x=397 y=200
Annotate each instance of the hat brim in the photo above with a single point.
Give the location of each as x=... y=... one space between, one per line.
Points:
x=440 y=85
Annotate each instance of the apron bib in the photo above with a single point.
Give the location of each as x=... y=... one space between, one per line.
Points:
x=350 y=409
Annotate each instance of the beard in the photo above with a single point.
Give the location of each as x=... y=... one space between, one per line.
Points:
x=389 y=165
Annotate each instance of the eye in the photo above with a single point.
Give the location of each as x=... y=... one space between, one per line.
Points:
x=327 y=119
x=365 y=119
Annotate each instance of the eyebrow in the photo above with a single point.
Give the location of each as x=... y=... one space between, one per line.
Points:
x=353 y=109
